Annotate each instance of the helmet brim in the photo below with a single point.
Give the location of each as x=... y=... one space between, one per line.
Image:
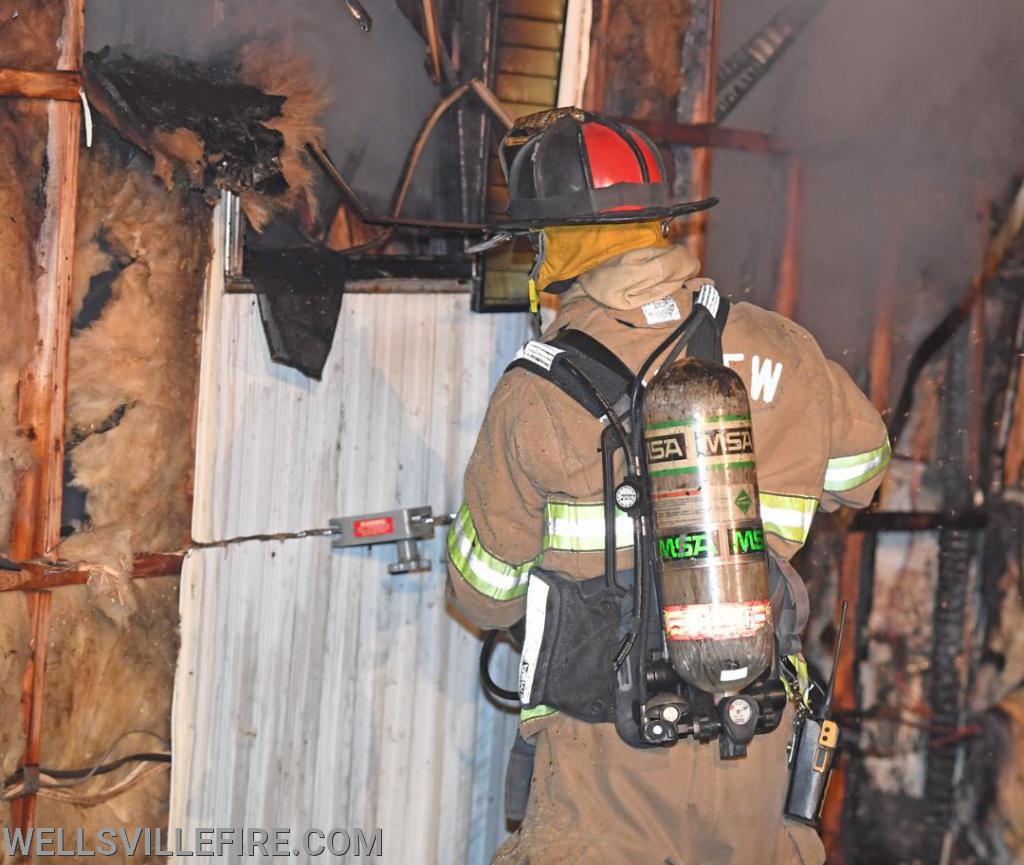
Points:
x=644 y=214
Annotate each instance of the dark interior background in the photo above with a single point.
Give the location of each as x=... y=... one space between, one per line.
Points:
x=908 y=117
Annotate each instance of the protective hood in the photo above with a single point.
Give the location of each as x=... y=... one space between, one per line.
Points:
x=636 y=277
x=564 y=252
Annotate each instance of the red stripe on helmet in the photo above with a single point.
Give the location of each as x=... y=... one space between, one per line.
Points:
x=611 y=158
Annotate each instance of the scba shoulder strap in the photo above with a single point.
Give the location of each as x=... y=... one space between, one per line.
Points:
x=706 y=343
x=578 y=365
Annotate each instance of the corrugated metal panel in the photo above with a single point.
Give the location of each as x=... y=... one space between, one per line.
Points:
x=314 y=689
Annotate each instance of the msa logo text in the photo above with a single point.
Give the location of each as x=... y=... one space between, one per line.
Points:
x=662 y=449
x=746 y=541
x=687 y=545
x=716 y=443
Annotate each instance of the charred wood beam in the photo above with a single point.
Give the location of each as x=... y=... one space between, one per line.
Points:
x=1005 y=445
x=705 y=135
x=62 y=86
x=703 y=112
x=377 y=268
x=409 y=286
x=741 y=71
x=951 y=643
x=104 y=105
x=433 y=39
x=995 y=254
x=788 y=291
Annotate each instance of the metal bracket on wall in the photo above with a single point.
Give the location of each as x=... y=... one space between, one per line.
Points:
x=235 y=279
x=402 y=527
x=356 y=274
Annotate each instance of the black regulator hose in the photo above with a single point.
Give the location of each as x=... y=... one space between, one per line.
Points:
x=680 y=337
x=492 y=687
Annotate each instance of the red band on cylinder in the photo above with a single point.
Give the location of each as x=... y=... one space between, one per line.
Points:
x=732 y=621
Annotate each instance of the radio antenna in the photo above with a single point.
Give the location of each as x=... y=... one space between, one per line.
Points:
x=826 y=709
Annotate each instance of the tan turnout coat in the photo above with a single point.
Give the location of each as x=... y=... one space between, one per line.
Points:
x=533 y=489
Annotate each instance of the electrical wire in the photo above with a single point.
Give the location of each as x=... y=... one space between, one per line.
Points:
x=58 y=779
x=102 y=769
x=88 y=800
x=93 y=770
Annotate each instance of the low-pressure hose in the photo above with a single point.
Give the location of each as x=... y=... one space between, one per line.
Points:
x=610 y=413
x=492 y=687
x=611 y=577
x=639 y=598
x=680 y=336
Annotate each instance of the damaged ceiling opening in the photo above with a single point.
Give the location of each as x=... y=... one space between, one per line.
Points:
x=242 y=289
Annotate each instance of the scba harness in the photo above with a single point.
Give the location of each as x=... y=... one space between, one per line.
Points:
x=596 y=649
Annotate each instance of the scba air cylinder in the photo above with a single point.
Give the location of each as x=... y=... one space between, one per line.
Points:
x=716 y=606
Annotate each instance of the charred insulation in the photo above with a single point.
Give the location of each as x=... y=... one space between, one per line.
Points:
x=228 y=117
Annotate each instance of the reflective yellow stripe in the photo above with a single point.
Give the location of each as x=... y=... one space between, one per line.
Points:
x=796 y=679
x=788 y=517
x=485 y=572
x=536 y=712
x=845 y=473
x=579 y=527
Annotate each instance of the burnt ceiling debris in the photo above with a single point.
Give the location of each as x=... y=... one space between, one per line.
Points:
x=224 y=118
x=207 y=128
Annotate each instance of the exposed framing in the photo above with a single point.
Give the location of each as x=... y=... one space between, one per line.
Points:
x=43 y=384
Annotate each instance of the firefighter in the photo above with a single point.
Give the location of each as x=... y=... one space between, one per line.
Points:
x=593 y=195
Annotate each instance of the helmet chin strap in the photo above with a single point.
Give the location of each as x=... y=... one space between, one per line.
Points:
x=539 y=243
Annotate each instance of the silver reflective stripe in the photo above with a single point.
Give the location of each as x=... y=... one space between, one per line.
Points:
x=845 y=473
x=536 y=614
x=708 y=297
x=539 y=353
x=485 y=572
x=788 y=517
x=579 y=527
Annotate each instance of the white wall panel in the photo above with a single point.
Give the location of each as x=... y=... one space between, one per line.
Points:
x=314 y=689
